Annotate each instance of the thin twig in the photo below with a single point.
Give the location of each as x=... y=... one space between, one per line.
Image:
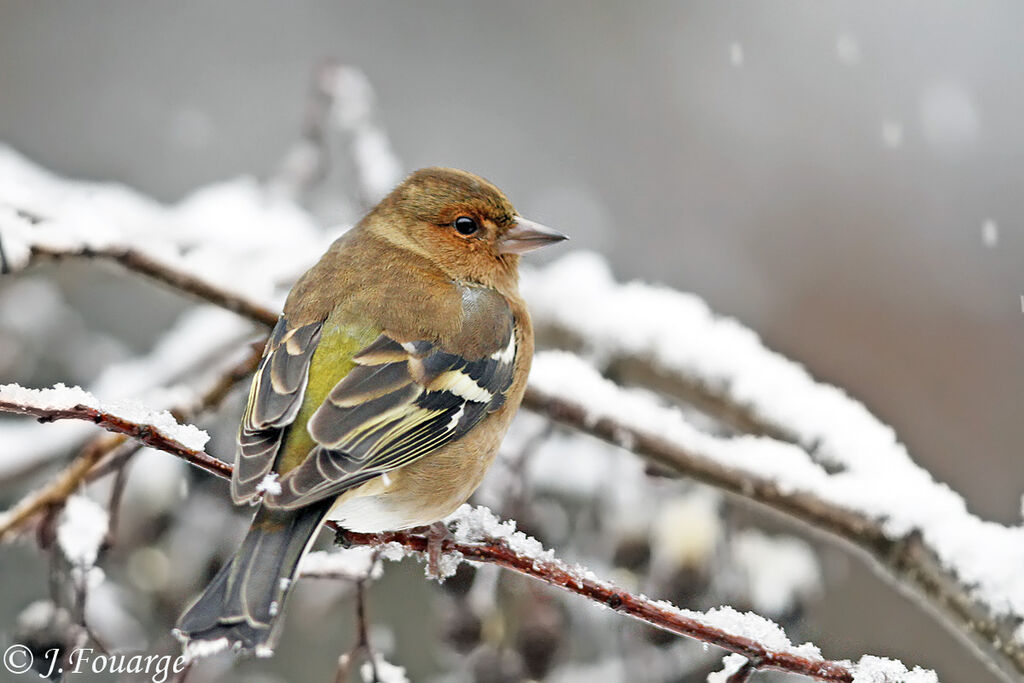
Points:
x=363 y=628
x=349 y=661
x=114 y=506
x=147 y=434
x=140 y=262
x=743 y=674
x=53 y=495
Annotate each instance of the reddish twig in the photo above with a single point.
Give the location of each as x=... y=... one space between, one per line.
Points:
x=107 y=453
x=555 y=573
x=743 y=674
x=146 y=434
x=497 y=552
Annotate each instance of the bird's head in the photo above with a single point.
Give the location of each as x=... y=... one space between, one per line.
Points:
x=461 y=223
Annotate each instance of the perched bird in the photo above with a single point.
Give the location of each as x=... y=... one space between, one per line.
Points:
x=384 y=391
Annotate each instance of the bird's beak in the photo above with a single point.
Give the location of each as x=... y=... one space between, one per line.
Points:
x=526 y=236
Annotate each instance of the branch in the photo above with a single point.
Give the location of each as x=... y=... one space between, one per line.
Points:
x=93 y=461
x=165 y=273
x=479 y=537
x=60 y=487
x=705 y=627
x=828 y=461
x=776 y=474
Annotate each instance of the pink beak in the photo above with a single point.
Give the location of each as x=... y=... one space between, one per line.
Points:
x=526 y=236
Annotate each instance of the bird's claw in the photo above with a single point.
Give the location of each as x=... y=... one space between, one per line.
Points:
x=437 y=533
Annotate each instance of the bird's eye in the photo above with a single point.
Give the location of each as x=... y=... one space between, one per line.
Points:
x=465 y=225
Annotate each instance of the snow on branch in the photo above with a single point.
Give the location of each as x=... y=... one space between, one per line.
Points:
x=231 y=244
x=478 y=536
x=821 y=455
x=157 y=429
x=92 y=461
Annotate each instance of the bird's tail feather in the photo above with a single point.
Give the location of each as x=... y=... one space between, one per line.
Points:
x=242 y=605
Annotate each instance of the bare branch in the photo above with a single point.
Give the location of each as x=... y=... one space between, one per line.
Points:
x=165 y=273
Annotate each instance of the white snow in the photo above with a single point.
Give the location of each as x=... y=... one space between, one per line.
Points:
x=386 y=671
x=749 y=625
x=474 y=524
x=736 y=54
x=871 y=669
x=62 y=397
x=378 y=166
x=199 y=649
x=731 y=663
x=990 y=234
x=679 y=335
x=354 y=564
x=81 y=530
x=848 y=49
x=269 y=484
x=232 y=233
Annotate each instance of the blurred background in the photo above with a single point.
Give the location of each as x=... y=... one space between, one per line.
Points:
x=845 y=178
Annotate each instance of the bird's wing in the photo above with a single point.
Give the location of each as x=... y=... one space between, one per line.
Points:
x=274 y=400
x=400 y=402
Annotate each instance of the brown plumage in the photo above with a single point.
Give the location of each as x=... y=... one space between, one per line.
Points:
x=385 y=390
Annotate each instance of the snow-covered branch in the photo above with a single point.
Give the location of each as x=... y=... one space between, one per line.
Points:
x=811 y=450
x=478 y=537
x=160 y=430
x=157 y=429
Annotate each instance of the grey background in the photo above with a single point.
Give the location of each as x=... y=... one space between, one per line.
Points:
x=766 y=187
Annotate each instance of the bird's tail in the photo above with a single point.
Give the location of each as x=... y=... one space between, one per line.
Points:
x=242 y=605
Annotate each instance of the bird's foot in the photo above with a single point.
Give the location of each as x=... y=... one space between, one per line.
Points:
x=437 y=533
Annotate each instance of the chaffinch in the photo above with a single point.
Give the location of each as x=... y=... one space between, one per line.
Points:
x=384 y=391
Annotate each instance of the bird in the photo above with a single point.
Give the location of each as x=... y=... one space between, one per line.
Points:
x=383 y=392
